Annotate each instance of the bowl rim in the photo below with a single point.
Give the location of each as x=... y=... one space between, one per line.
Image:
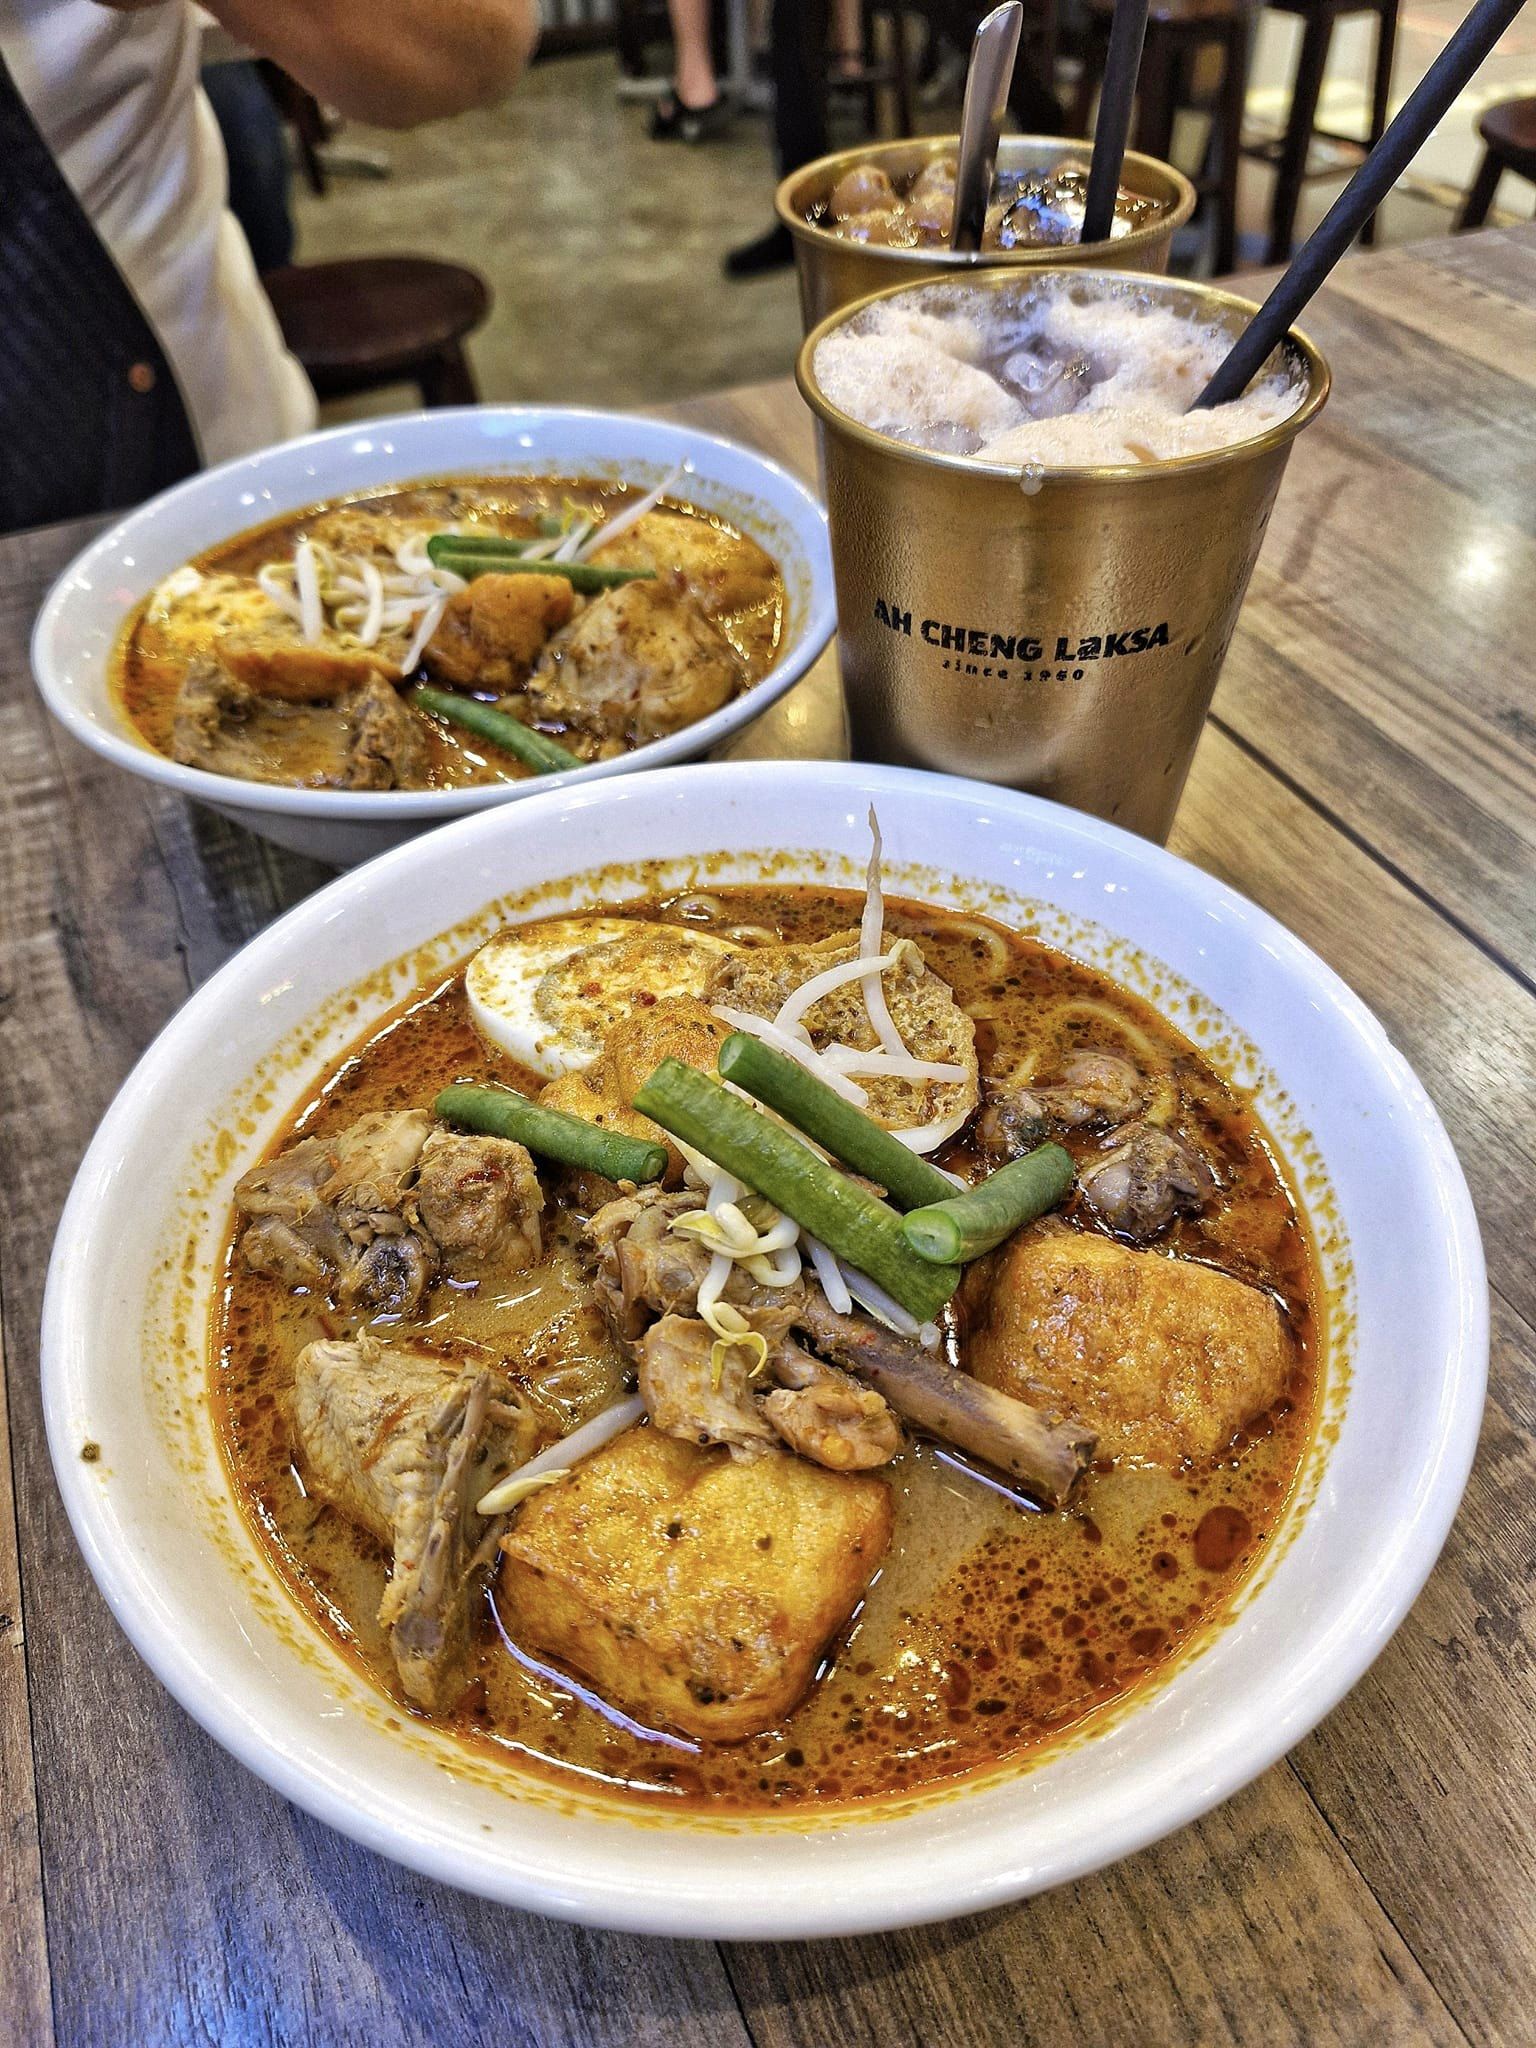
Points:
x=1173 y=211
x=616 y=1902
x=118 y=744
x=1295 y=342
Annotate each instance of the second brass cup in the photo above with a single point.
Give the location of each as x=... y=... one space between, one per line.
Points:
x=835 y=271
x=1062 y=630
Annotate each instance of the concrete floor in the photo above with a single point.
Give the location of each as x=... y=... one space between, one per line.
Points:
x=603 y=248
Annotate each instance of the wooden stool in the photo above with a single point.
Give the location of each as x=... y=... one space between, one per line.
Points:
x=371 y=320
x=1177 y=32
x=1288 y=152
x=1509 y=135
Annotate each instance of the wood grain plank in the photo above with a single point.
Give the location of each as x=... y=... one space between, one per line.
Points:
x=1469 y=295
x=1456 y=1771
x=26 y=2011
x=185 y=1902
x=1247 y=1927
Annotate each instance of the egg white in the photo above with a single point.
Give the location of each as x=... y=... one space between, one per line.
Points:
x=511 y=1005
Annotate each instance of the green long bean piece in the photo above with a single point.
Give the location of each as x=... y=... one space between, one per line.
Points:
x=503 y=1113
x=812 y=1107
x=773 y=1162
x=485 y=558
x=963 y=1226
x=534 y=749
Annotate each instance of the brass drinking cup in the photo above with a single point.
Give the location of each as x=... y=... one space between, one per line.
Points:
x=1059 y=630
x=834 y=272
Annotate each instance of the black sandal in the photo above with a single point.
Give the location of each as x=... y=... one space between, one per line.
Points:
x=674 y=121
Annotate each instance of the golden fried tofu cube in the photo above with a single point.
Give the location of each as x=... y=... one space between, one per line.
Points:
x=1162 y=1358
x=694 y=1590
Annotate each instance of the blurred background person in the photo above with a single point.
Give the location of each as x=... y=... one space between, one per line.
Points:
x=139 y=342
x=798 y=63
x=694 y=108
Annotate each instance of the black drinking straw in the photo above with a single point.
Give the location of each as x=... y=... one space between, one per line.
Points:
x=1425 y=105
x=1117 y=94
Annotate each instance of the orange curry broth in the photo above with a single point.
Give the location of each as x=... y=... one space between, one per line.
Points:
x=148 y=668
x=990 y=1629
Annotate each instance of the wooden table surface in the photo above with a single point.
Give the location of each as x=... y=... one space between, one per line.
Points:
x=1369 y=775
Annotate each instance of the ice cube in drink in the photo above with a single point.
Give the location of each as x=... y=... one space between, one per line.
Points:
x=1029 y=209
x=1063 y=370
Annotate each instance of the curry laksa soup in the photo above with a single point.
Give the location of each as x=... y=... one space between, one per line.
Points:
x=769 y=1348
x=474 y=631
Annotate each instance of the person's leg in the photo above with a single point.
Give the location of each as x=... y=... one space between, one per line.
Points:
x=694 y=109
x=694 y=74
x=797 y=54
x=848 y=37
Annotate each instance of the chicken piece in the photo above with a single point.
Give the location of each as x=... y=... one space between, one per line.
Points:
x=329 y=1213
x=645 y=1269
x=724 y=573
x=694 y=1590
x=1046 y=1456
x=1149 y=1178
x=864 y=189
x=277 y=661
x=815 y=1409
x=491 y=634
x=685 y=1397
x=931 y=1023
x=825 y=1414
x=386 y=744
x=640 y=661
x=1096 y=1088
x=405 y=1443
x=366 y=739
x=1165 y=1360
x=480 y=1201
x=211 y=725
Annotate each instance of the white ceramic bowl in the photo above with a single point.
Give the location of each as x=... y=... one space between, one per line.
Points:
x=78 y=625
x=124 y=1357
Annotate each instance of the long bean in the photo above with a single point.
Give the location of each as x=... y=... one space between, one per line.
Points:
x=534 y=749
x=814 y=1108
x=773 y=1162
x=963 y=1226
x=503 y=1113
x=484 y=558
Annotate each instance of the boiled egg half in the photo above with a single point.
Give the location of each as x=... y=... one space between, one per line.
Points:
x=548 y=993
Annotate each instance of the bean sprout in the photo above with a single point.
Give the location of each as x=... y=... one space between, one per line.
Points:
x=627 y=515
x=560 y=1459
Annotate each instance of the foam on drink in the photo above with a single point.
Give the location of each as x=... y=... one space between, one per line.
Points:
x=1058 y=372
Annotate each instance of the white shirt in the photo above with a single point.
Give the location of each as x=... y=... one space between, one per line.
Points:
x=116 y=99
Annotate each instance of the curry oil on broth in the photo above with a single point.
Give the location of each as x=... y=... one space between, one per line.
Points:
x=148 y=663
x=991 y=1632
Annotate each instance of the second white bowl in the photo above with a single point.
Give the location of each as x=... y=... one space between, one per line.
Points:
x=83 y=615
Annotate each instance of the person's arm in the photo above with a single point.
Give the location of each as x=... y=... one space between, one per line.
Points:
x=391 y=62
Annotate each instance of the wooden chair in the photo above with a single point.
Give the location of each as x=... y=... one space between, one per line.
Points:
x=1289 y=151
x=367 y=321
x=1178 y=31
x=1509 y=139
x=886 y=69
